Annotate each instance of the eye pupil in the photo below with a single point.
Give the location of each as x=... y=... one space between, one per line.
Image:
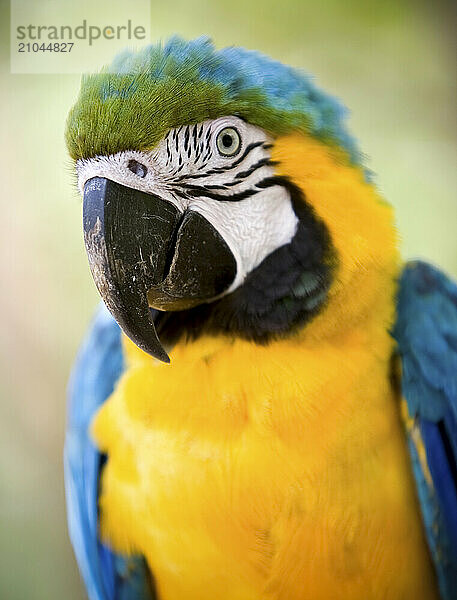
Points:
x=137 y=168
x=227 y=140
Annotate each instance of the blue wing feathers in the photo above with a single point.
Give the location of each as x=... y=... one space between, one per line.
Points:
x=443 y=475
x=97 y=369
x=431 y=513
x=426 y=333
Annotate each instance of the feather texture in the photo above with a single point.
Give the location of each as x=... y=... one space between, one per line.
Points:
x=426 y=332
x=133 y=103
x=99 y=365
x=281 y=471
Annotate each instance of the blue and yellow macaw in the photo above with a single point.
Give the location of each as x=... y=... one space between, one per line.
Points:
x=278 y=420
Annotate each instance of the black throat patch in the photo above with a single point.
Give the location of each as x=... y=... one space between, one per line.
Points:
x=277 y=298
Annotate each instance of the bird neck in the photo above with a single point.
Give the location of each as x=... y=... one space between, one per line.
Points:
x=311 y=382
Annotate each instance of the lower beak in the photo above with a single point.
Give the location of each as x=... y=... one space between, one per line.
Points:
x=144 y=252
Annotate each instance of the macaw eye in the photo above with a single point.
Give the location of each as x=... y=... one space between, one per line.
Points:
x=228 y=141
x=137 y=168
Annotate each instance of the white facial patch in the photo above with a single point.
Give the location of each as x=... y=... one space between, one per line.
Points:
x=236 y=192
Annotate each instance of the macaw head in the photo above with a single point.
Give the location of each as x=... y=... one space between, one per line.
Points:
x=221 y=189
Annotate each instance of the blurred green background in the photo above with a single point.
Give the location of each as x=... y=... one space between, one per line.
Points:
x=392 y=63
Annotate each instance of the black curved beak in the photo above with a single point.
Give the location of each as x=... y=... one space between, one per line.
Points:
x=144 y=252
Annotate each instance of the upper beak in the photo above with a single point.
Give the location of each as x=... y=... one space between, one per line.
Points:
x=143 y=251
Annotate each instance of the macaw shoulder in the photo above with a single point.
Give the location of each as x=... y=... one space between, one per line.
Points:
x=426 y=334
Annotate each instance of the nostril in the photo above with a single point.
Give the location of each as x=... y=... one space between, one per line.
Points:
x=137 y=168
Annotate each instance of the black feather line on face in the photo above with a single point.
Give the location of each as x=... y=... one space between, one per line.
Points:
x=230 y=166
x=277 y=298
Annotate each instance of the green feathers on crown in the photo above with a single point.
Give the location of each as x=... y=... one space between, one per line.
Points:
x=131 y=104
